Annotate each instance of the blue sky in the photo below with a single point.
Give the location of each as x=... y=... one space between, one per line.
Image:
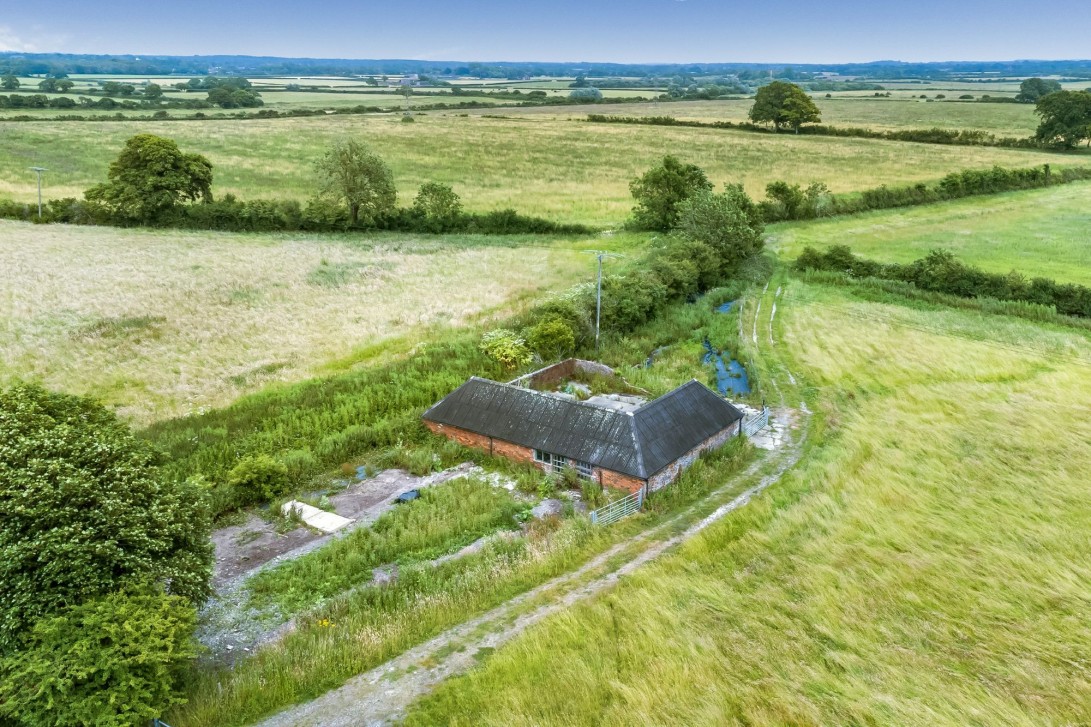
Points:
x=790 y=31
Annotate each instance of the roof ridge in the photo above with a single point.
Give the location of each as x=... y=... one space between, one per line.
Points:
x=638 y=447
x=552 y=397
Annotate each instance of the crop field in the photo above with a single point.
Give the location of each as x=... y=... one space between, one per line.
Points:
x=556 y=168
x=160 y=324
x=925 y=565
x=1017 y=120
x=1038 y=232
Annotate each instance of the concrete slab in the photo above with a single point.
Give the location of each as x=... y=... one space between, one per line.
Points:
x=327 y=522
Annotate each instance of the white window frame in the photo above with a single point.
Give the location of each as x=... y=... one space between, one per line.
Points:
x=584 y=468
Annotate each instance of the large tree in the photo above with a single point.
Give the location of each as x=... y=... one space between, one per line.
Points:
x=660 y=190
x=150 y=177
x=1066 y=118
x=351 y=173
x=85 y=512
x=9 y=82
x=1032 y=89
x=784 y=104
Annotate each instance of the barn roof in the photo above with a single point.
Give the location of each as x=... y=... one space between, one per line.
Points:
x=637 y=443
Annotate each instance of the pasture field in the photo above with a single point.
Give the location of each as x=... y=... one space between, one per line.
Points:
x=1041 y=233
x=880 y=114
x=925 y=564
x=164 y=323
x=561 y=169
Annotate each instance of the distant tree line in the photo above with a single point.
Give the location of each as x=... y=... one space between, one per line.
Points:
x=37 y=64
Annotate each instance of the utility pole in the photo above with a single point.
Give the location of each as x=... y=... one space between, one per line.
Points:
x=39 y=171
x=601 y=255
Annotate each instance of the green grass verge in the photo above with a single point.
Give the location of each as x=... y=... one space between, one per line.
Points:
x=1037 y=232
x=924 y=566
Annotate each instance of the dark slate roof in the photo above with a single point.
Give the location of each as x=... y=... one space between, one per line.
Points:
x=637 y=443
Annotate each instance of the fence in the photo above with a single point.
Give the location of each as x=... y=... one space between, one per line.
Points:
x=751 y=425
x=618 y=509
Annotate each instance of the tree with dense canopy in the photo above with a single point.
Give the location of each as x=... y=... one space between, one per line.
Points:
x=1066 y=118
x=1032 y=89
x=351 y=173
x=9 y=82
x=111 y=661
x=730 y=223
x=660 y=190
x=784 y=104
x=85 y=513
x=150 y=177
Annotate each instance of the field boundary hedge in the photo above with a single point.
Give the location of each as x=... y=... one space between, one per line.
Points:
x=940 y=272
x=233 y=215
x=960 y=137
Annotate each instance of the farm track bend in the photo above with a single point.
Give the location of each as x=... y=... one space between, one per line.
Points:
x=381 y=695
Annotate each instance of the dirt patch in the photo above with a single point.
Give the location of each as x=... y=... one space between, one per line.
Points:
x=228 y=627
x=242 y=549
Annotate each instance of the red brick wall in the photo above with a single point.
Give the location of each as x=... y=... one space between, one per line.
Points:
x=462 y=436
x=519 y=453
x=497 y=447
x=513 y=451
x=617 y=480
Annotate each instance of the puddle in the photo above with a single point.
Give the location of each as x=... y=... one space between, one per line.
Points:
x=731 y=377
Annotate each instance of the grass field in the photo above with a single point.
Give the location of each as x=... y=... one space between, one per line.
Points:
x=164 y=323
x=1016 y=120
x=1038 y=232
x=925 y=565
x=556 y=168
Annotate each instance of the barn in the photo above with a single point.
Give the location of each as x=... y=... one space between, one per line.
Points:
x=631 y=445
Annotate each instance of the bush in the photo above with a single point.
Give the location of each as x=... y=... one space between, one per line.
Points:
x=85 y=511
x=257 y=478
x=552 y=338
x=660 y=191
x=438 y=206
x=111 y=661
x=506 y=347
x=729 y=223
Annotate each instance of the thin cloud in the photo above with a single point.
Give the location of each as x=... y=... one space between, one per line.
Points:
x=9 y=41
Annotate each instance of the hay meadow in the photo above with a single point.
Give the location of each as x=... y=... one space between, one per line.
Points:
x=563 y=169
x=166 y=323
x=923 y=566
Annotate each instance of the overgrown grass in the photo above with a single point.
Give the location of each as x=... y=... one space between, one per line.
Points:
x=166 y=323
x=443 y=519
x=351 y=634
x=925 y=565
x=493 y=163
x=372 y=624
x=1038 y=232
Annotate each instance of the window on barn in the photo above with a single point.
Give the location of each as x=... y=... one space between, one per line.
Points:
x=584 y=468
x=552 y=462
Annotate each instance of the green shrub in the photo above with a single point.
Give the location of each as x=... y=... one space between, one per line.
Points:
x=729 y=223
x=257 y=478
x=110 y=662
x=506 y=347
x=660 y=190
x=552 y=338
x=85 y=511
